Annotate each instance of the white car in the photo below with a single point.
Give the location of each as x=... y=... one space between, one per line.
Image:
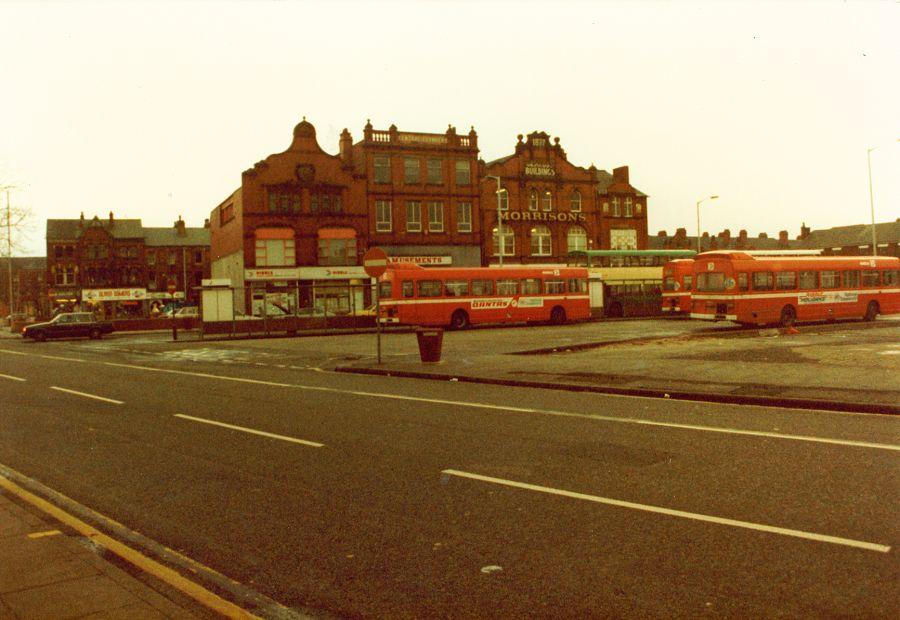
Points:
x=188 y=311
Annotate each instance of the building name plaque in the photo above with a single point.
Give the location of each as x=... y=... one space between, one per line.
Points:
x=539 y=169
x=541 y=216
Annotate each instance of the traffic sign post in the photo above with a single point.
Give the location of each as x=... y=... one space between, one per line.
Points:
x=375 y=264
x=171 y=288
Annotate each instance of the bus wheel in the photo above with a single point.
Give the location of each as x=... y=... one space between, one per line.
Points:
x=871 y=311
x=459 y=320
x=558 y=315
x=788 y=316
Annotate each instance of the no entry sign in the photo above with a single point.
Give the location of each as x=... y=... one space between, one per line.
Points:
x=375 y=262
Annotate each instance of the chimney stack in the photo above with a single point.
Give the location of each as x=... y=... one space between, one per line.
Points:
x=346 y=146
x=783 y=238
x=111 y=218
x=179 y=227
x=620 y=174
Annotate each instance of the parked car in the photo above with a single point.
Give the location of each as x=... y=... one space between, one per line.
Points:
x=188 y=311
x=68 y=325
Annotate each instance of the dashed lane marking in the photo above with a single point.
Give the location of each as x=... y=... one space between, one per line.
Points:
x=252 y=431
x=760 y=527
x=86 y=395
x=12 y=378
x=568 y=414
x=35 y=535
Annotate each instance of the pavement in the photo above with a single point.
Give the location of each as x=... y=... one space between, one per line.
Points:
x=49 y=570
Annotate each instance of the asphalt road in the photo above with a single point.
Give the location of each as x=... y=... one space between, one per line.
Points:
x=384 y=497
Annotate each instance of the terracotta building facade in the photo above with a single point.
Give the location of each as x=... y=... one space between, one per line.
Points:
x=293 y=234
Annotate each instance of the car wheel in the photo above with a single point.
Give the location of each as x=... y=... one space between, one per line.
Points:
x=871 y=311
x=788 y=316
x=40 y=336
x=459 y=320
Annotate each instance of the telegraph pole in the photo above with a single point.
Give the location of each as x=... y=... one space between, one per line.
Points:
x=9 y=252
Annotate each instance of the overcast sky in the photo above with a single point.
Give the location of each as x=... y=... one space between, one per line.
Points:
x=153 y=109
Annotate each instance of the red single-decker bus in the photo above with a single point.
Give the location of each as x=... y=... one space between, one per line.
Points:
x=761 y=290
x=678 y=275
x=459 y=297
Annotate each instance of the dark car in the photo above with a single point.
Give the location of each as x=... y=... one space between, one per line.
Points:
x=68 y=325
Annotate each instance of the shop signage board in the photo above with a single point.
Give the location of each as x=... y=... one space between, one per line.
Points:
x=113 y=294
x=331 y=273
x=272 y=273
x=421 y=260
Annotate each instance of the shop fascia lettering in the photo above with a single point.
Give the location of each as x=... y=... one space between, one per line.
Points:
x=421 y=260
x=113 y=294
x=541 y=216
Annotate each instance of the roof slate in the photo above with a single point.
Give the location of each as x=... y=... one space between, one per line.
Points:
x=170 y=237
x=73 y=229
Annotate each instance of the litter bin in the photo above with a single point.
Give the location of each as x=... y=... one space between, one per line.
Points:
x=430 y=344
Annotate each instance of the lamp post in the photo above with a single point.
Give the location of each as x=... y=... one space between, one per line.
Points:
x=872 y=199
x=698 y=219
x=500 y=244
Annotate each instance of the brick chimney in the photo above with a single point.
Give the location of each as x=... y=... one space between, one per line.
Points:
x=179 y=227
x=206 y=223
x=782 y=238
x=111 y=220
x=81 y=222
x=804 y=231
x=742 y=239
x=620 y=174
x=346 y=147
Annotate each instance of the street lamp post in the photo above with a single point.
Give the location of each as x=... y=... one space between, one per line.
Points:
x=872 y=199
x=500 y=244
x=698 y=219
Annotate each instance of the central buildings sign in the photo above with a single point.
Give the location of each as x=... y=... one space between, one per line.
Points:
x=539 y=169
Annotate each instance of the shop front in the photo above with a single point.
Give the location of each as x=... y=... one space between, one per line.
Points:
x=307 y=291
x=115 y=303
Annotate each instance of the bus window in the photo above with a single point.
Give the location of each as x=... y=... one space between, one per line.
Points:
x=531 y=286
x=688 y=282
x=786 y=280
x=554 y=287
x=832 y=279
x=808 y=280
x=577 y=285
x=669 y=283
x=714 y=281
x=891 y=277
x=407 y=289
x=743 y=282
x=456 y=288
x=384 y=289
x=506 y=287
x=851 y=279
x=762 y=281
x=870 y=277
x=482 y=287
x=429 y=288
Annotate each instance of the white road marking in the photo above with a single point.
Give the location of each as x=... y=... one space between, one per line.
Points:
x=86 y=395
x=49 y=357
x=835 y=540
x=548 y=412
x=252 y=431
x=12 y=378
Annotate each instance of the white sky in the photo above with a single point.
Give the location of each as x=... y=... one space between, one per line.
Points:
x=152 y=110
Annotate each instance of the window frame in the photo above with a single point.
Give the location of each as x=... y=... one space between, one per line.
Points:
x=413 y=224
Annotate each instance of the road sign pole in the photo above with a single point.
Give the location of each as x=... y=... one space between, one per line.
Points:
x=377 y=319
x=375 y=264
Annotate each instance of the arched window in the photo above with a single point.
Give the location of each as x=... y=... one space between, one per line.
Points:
x=533 y=201
x=575 y=202
x=547 y=200
x=509 y=241
x=576 y=239
x=540 y=241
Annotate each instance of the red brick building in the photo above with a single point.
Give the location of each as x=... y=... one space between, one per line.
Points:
x=29 y=286
x=549 y=207
x=120 y=267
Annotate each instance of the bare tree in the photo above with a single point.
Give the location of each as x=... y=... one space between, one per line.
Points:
x=14 y=229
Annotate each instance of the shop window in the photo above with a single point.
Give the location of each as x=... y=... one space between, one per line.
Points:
x=337 y=246
x=413 y=216
x=533 y=200
x=463 y=173
x=382 y=165
x=435 y=172
x=464 y=217
x=383 y=221
x=435 y=217
x=274 y=247
x=508 y=238
x=540 y=241
x=507 y=287
x=575 y=202
x=547 y=200
x=576 y=239
x=410 y=170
